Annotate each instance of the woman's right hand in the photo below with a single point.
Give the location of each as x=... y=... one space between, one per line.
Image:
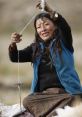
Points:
x=15 y=38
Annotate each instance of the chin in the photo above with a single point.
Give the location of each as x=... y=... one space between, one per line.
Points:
x=46 y=38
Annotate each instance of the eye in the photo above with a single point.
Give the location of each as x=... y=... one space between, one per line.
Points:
x=46 y=24
x=37 y=27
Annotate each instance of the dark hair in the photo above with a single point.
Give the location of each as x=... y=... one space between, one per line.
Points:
x=37 y=38
x=42 y=15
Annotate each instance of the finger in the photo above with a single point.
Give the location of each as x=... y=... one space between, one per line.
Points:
x=15 y=33
x=13 y=36
x=38 y=5
x=20 y=39
x=20 y=35
x=16 y=36
x=16 y=40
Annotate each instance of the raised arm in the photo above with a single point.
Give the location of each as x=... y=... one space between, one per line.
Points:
x=66 y=32
x=62 y=25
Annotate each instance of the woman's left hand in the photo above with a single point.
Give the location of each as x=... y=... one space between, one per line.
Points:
x=46 y=8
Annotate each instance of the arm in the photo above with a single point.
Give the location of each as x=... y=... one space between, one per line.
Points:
x=62 y=25
x=64 y=28
x=66 y=32
x=25 y=55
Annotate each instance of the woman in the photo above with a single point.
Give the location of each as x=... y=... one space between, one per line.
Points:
x=55 y=82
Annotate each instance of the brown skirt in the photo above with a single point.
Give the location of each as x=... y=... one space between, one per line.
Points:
x=45 y=103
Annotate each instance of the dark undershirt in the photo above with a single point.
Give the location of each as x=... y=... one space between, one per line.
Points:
x=47 y=73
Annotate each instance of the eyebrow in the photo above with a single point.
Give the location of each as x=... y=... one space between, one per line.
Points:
x=44 y=21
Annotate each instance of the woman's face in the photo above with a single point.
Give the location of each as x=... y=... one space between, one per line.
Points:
x=45 y=28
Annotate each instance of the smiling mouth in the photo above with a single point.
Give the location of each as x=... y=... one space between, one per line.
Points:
x=45 y=34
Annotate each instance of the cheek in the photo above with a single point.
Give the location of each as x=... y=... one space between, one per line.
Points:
x=51 y=30
x=38 y=31
x=51 y=27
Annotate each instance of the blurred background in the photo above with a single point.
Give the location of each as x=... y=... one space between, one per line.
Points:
x=13 y=17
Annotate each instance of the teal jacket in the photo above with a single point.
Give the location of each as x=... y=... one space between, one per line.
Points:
x=64 y=67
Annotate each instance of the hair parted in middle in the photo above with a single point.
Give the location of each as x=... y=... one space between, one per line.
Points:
x=55 y=22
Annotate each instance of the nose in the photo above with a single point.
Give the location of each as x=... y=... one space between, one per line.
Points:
x=43 y=28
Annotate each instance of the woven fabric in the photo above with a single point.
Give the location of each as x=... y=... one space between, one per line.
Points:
x=44 y=104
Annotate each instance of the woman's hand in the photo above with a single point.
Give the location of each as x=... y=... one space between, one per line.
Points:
x=47 y=8
x=15 y=38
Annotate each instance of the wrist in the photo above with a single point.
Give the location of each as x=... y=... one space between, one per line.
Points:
x=13 y=44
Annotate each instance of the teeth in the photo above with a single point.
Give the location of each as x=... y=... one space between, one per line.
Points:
x=44 y=34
